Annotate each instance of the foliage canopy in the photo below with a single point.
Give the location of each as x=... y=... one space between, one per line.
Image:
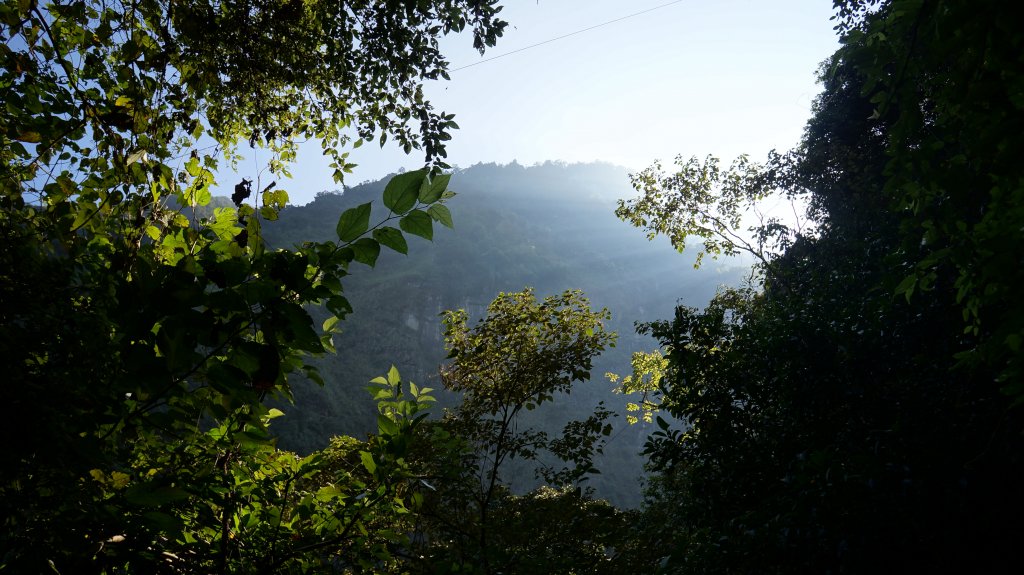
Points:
x=517 y=358
x=856 y=412
x=141 y=330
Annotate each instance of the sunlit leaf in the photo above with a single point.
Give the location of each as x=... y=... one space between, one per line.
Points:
x=354 y=222
x=401 y=192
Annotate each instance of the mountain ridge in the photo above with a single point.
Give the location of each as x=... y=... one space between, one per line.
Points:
x=550 y=227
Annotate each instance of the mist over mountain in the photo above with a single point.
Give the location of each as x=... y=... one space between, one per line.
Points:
x=550 y=227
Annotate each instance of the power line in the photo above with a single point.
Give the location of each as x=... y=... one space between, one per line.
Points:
x=566 y=35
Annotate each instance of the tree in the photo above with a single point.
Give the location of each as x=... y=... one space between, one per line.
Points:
x=703 y=201
x=836 y=419
x=952 y=170
x=516 y=359
x=140 y=333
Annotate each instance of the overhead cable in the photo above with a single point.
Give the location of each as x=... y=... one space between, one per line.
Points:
x=524 y=48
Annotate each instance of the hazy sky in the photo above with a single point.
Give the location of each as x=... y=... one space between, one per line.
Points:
x=693 y=77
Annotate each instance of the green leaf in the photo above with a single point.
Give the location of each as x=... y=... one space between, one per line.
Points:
x=313 y=374
x=368 y=461
x=192 y=166
x=300 y=325
x=418 y=223
x=354 y=223
x=339 y=306
x=431 y=190
x=329 y=492
x=386 y=426
x=382 y=393
x=401 y=192
x=276 y=199
x=392 y=238
x=440 y=213
x=366 y=251
x=268 y=213
x=330 y=323
x=393 y=376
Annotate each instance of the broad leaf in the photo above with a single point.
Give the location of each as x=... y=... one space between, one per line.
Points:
x=440 y=213
x=392 y=238
x=368 y=461
x=418 y=223
x=366 y=250
x=401 y=192
x=431 y=190
x=354 y=222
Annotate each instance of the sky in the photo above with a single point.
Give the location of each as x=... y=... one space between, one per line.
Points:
x=692 y=77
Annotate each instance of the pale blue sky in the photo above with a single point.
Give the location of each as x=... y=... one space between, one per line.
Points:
x=696 y=77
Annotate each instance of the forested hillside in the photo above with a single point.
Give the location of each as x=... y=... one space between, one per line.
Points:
x=550 y=227
x=853 y=405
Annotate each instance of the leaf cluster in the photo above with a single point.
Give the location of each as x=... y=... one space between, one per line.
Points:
x=145 y=332
x=850 y=415
x=517 y=358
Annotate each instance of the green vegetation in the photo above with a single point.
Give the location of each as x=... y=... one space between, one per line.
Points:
x=143 y=342
x=854 y=407
x=515 y=360
x=551 y=227
x=857 y=413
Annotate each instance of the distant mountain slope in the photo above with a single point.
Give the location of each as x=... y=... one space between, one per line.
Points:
x=550 y=227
